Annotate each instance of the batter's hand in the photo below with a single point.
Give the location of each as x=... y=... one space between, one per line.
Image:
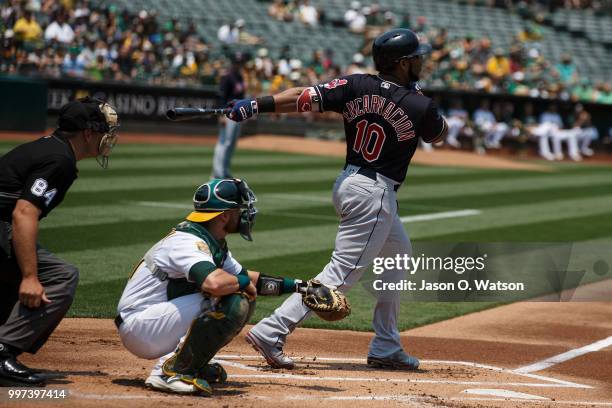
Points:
x=32 y=293
x=242 y=109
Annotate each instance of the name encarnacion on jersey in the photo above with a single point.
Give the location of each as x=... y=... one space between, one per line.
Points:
x=395 y=116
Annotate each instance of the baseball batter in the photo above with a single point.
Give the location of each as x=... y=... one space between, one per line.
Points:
x=385 y=116
x=188 y=296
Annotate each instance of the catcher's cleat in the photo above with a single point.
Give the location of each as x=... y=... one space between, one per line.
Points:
x=396 y=361
x=179 y=384
x=273 y=355
x=214 y=373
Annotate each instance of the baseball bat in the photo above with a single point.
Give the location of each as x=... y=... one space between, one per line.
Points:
x=181 y=114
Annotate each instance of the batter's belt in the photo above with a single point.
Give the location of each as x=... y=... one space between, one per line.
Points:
x=371 y=174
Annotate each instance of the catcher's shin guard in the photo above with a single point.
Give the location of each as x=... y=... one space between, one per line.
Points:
x=208 y=333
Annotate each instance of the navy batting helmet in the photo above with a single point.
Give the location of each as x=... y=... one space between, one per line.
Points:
x=392 y=46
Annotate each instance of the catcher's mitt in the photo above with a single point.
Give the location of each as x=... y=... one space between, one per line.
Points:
x=328 y=303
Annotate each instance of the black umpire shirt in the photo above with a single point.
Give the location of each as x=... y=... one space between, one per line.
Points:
x=231 y=87
x=40 y=172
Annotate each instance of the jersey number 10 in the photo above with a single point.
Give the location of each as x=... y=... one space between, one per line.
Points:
x=369 y=141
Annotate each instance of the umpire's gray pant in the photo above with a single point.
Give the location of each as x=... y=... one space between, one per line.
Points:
x=28 y=329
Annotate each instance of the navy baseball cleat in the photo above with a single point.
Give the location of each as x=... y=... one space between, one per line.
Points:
x=396 y=361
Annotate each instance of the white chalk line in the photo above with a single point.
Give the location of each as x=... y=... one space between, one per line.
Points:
x=405 y=219
x=524 y=401
x=311 y=397
x=440 y=215
x=549 y=382
x=300 y=197
x=161 y=204
x=563 y=357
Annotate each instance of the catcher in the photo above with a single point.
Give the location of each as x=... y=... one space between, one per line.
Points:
x=188 y=297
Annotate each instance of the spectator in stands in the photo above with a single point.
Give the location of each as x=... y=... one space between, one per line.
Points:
x=566 y=70
x=82 y=11
x=228 y=34
x=498 y=66
x=375 y=16
x=59 y=30
x=603 y=93
x=352 y=13
x=480 y=56
x=389 y=19
x=357 y=66
x=406 y=22
x=9 y=14
x=358 y=23
x=530 y=33
x=72 y=67
x=421 y=27
x=308 y=14
x=279 y=10
x=26 y=28
x=244 y=37
x=584 y=91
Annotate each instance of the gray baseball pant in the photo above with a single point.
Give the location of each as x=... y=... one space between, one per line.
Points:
x=28 y=329
x=369 y=227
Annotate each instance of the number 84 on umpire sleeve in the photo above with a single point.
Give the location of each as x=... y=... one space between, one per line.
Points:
x=39 y=189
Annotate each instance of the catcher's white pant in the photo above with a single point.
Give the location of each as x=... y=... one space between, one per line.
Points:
x=157 y=331
x=369 y=227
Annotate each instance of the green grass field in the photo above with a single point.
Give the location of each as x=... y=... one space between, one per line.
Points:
x=110 y=218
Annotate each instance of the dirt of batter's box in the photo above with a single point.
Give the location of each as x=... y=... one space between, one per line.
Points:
x=86 y=357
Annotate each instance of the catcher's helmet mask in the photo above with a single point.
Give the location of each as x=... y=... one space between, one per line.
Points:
x=218 y=195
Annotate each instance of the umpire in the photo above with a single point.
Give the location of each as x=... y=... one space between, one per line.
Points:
x=36 y=287
x=232 y=87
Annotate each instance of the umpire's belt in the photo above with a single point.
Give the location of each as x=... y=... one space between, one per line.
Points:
x=371 y=174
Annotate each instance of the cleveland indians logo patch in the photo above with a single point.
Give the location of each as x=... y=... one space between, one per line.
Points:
x=334 y=83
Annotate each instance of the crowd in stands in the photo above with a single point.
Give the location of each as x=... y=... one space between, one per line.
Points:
x=86 y=41
x=46 y=38
x=546 y=5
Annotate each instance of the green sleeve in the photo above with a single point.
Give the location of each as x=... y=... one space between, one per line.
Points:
x=200 y=271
